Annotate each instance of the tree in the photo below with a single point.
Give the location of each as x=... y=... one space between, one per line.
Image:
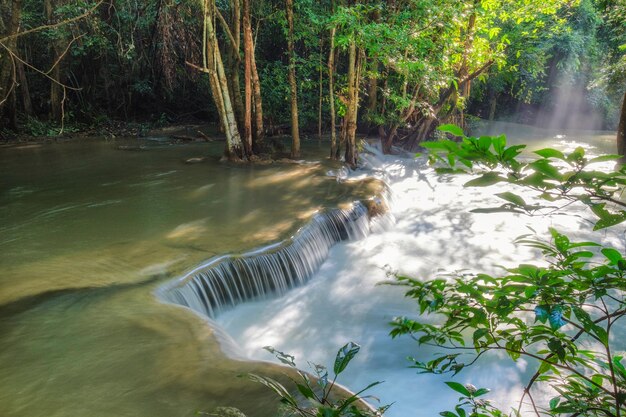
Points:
x=8 y=66
x=213 y=65
x=621 y=129
x=293 y=85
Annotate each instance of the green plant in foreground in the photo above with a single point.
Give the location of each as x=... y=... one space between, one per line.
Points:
x=320 y=397
x=562 y=315
x=555 y=177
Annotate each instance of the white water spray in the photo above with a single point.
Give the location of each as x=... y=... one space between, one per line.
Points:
x=434 y=231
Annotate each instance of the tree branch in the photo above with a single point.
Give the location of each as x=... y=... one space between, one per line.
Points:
x=52 y=26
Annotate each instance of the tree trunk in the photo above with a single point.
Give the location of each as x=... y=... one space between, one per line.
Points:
x=27 y=104
x=372 y=90
x=386 y=138
x=331 y=95
x=8 y=73
x=258 y=132
x=235 y=63
x=621 y=129
x=295 y=130
x=321 y=92
x=354 y=66
x=492 y=105
x=214 y=66
x=57 y=93
x=247 y=51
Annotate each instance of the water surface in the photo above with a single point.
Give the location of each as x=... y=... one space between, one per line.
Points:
x=87 y=232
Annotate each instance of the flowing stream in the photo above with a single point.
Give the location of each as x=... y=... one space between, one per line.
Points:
x=100 y=247
x=89 y=232
x=433 y=232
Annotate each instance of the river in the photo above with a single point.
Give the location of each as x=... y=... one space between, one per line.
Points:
x=89 y=234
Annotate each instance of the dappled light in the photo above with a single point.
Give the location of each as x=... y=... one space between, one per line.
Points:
x=434 y=233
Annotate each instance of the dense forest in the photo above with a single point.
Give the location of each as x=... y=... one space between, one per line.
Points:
x=101 y=249
x=395 y=69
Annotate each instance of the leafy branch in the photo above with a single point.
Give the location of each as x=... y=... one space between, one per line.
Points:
x=562 y=314
x=554 y=177
x=319 y=393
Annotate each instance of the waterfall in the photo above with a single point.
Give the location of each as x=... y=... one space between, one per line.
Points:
x=228 y=280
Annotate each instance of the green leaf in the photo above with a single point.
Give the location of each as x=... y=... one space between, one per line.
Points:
x=577 y=155
x=550 y=153
x=612 y=255
x=306 y=391
x=344 y=356
x=485 y=180
x=275 y=386
x=544 y=367
x=557 y=348
x=499 y=142
x=601 y=333
x=460 y=388
x=281 y=356
x=617 y=363
x=484 y=143
x=604 y=158
x=452 y=129
x=543 y=166
x=512 y=198
x=511 y=152
x=554 y=402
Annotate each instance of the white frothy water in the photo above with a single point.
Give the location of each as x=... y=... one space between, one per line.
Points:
x=433 y=231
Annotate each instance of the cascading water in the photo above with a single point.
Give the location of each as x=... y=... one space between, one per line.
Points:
x=229 y=280
x=434 y=232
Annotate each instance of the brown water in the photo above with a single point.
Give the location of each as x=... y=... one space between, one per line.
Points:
x=87 y=232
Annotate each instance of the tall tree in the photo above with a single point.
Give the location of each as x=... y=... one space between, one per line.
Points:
x=352 y=105
x=247 y=52
x=213 y=65
x=8 y=64
x=57 y=90
x=293 y=85
x=621 y=129
x=334 y=154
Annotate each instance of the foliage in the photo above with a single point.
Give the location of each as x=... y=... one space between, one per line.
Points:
x=562 y=314
x=555 y=177
x=319 y=392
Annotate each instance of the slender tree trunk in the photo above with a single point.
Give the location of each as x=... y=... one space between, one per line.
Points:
x=247 y=51
x=354 y=65
x=331 y=95
x=259 y=131
x=8 y=67
x=295 y=130
x=234 y=83
x=24 y=90
x=214 y=66
x=321 y=91
x=464 y=69
x=372 y=90
x=621 y=129
x=57 y=93
x=492 y=105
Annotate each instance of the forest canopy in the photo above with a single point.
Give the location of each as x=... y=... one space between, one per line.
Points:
x=396 y=69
